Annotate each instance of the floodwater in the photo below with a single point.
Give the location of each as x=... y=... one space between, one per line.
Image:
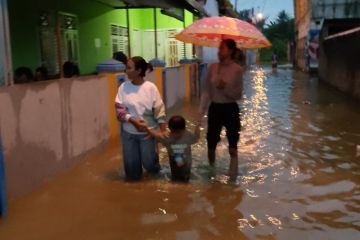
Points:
x=299 y=178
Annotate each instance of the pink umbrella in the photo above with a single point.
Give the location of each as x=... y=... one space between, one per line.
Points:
x=212 y=30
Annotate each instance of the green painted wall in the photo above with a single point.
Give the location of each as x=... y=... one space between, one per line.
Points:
x=94 y=22
x=23 y=37
x=163 y=21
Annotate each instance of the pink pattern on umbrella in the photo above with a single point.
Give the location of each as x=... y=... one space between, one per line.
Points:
x=212 y=30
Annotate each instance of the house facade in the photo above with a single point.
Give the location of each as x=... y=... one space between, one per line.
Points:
x=327 y=41
x=46 y=127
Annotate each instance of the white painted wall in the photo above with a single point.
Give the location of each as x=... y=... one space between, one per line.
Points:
x=136 y=49
x=175 y=86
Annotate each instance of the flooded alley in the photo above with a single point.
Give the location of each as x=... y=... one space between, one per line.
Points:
x=299 y=178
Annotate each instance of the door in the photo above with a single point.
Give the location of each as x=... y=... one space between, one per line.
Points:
x=161 y=45
x=136 y=49
x=48 y=42
x=48 y=50
x=119 y=39
x=71 y=45
x=69 y=35
x=148 y=45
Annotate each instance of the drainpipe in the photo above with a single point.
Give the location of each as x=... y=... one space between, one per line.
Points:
x=9 y=79
x=59 y=45
x=155 y=32
x=184 y=25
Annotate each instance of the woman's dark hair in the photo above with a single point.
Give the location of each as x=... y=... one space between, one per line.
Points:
x=43 y=71
x=121 y=57
x=231 y=44
x=240 y=57
x=177 y=123
x=70 y=69
x=150 y=67
x=141 y=64
x=23 y=71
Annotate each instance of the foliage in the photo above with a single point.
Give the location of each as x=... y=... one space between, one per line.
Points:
x=280 y=32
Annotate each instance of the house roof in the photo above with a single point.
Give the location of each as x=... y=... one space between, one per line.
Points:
x=190 y=5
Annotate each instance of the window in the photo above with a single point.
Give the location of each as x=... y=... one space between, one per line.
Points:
x=69 y=35
x=119 y=39
x=175 y=48
x=49 y=42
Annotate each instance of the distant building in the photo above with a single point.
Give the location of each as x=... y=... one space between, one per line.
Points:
x=327 y=40
x=312 y=17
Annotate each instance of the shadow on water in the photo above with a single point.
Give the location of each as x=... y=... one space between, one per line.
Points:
x=299 y=178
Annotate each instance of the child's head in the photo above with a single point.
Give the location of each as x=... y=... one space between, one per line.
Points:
x=177 y=124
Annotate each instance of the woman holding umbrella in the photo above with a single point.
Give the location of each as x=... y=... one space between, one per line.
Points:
x=223 y=88
x=224 y=80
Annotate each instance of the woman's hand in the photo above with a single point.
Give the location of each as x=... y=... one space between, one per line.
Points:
x=162 y=127
x=139 y=124
x=221 y=84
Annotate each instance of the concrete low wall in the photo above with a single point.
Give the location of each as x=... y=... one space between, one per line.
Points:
x=151 y=76
x=174 y=86
x=339 y=63
x=45 y=126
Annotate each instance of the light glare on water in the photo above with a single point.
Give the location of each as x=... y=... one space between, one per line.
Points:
x=299 y=178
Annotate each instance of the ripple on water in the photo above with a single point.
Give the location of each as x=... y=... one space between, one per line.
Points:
x=289 y=151
x=159 y=217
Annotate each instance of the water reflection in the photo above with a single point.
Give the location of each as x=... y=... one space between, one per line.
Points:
x=297 y=158
x=299 y=178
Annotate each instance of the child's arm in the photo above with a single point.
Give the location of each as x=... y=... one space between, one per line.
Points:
x=158 y=135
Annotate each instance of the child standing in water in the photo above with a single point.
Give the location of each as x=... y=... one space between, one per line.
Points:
x=178 y=144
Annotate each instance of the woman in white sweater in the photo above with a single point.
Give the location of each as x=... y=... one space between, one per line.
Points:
x=139 y=105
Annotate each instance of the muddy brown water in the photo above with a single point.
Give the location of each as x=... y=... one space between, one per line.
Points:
x=299 y=178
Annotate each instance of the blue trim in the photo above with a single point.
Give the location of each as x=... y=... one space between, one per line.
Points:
x=110 y=66
x=186 y=61
x=157 y=63
x=120 y=79
x=2 y=182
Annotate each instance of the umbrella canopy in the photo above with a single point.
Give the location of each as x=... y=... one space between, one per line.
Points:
x=212 y=30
